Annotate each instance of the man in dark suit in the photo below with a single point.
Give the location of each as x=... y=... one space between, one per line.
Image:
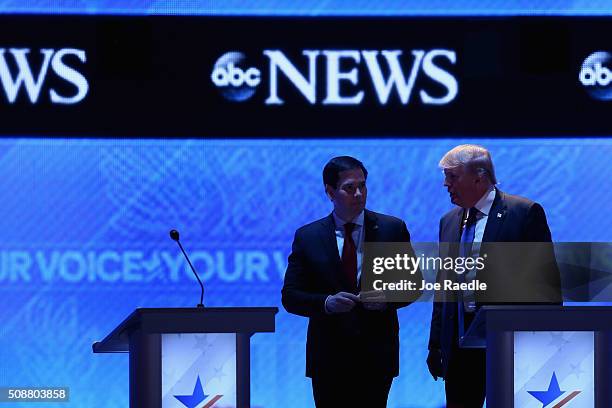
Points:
x=352 y=348
x=484 y=215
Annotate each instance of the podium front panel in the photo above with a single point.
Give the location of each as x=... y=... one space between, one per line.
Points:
x=198 y=368
x=552 y=368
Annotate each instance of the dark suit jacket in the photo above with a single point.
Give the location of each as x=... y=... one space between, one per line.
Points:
x=359 y=338
x=511 y=219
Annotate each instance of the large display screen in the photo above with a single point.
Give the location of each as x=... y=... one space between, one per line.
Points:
x=119 y=123
x=201 y=76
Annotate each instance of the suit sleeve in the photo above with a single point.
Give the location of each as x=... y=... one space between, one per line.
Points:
x=536 y=230
x=536 y=227
x=297 y=293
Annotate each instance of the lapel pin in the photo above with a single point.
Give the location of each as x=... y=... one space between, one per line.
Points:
x=499 y=215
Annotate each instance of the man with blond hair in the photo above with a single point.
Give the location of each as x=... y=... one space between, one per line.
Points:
x=483 y=214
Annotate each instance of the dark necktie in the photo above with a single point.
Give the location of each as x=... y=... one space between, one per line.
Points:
x=468 y=233
x=465 y=250
x=349 y=257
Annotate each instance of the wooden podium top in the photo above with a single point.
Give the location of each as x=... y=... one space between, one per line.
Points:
x=188 y=320
x=535 y=318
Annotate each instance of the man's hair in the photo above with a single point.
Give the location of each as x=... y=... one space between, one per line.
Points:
x=331 y=171
x=474 y=158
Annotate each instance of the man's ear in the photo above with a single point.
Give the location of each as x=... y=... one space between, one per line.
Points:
x=329 y=190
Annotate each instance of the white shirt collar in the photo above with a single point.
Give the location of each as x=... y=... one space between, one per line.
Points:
x=486 y=201
x=358 y=220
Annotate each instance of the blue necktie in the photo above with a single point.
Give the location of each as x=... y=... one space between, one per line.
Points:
x=465 y=250
x=467 y=235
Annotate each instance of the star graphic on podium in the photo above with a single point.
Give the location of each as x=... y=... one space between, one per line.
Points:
x=548 y=396
x=218 y=373
x=557 y=340
x=202 y=343
x=193 y=400
x=576 y=369
x=553 y=392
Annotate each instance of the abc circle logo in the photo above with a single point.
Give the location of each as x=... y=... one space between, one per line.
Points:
x=595 y=75
x=235 y=80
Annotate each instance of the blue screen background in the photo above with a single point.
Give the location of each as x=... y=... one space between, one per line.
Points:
x=85 y=241
x=84 y=225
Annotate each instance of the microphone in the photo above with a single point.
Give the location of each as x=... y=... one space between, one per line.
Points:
x=174 y=234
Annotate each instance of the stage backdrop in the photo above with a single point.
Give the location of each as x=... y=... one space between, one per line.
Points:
x=84 y=241
x=84 y=223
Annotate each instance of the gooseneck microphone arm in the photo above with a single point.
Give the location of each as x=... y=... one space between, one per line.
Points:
x=174 y=234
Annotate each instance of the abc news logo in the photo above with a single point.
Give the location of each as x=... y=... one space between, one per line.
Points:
x=234 y=76
x=390 y=72
x=595 y=75
x=21 y=71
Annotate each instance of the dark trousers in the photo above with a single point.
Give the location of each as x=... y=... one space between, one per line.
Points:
x=465 y=383
x=351 y=389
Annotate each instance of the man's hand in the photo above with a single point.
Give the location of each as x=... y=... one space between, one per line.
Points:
x=434 y=363
x=373 y=300
x=341 y=302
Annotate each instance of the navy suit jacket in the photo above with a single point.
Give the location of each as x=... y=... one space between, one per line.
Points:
x=511 y=219
x=314 y=272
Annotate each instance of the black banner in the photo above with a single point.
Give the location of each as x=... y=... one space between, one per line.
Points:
x=165 y=76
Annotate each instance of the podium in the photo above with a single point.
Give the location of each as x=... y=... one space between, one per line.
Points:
x=545 y=355
x=181 y=357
